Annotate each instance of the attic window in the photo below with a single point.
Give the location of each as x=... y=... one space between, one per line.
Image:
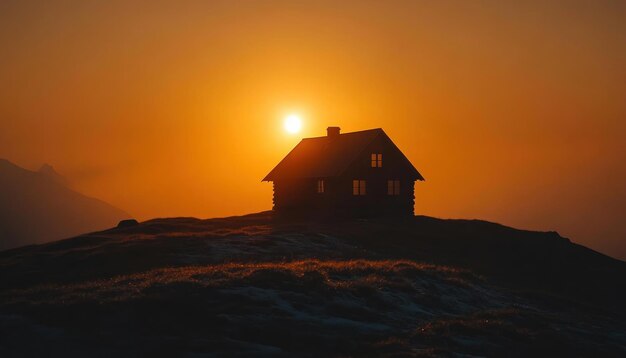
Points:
x=377 y=160
x=320 y=186
x=393 y=187
x=358 y=187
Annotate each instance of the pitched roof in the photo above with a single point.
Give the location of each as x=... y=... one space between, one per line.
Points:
x=323 y=157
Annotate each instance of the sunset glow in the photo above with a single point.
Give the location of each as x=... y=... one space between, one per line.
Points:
x=514 y=112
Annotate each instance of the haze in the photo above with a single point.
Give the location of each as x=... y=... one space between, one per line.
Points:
x=515 y=112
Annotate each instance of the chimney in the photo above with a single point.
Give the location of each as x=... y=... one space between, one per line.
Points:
x=333 y=131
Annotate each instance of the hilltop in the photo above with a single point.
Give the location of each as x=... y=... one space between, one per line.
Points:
x=253 y=285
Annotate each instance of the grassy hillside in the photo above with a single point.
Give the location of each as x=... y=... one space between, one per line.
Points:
x=256 y=286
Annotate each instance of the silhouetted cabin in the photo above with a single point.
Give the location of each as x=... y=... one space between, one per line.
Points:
x=351 y=174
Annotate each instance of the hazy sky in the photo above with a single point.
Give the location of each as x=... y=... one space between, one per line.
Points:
x=514 y=112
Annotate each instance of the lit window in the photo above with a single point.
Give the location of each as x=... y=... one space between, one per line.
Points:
x=320 y=186
x=393 y=187
x=358 y=187
x=377 y=160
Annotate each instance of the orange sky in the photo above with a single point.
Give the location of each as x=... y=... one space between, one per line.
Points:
x=514 y=112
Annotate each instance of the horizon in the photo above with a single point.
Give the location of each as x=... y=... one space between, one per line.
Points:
x=514 y=113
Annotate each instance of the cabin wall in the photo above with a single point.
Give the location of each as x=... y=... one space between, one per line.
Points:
x=394 y=167
x=376 y=202
x=295 y=195
x=300 y=197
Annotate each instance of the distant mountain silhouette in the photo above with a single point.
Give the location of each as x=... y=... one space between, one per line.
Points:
x=48 y=171
x=37 y=207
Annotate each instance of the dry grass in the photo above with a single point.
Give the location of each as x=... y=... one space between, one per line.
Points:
x=350 y=274
x=304 y=305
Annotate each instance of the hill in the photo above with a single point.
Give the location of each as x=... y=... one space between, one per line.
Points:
x=36 y=207
x=254 y=285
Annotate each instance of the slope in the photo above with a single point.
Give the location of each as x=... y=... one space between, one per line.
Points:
x=253 y=285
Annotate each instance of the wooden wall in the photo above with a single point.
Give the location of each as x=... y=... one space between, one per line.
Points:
x=300 y=197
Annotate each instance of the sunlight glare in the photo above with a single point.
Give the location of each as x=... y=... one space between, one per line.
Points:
x=293 y=123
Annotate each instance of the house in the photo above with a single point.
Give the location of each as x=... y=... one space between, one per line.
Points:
x=351 y=174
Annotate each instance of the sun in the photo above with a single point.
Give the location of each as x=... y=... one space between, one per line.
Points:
x=293 y=123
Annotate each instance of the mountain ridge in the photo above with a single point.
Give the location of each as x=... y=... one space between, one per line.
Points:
x=38 y=207
x=48 y=171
